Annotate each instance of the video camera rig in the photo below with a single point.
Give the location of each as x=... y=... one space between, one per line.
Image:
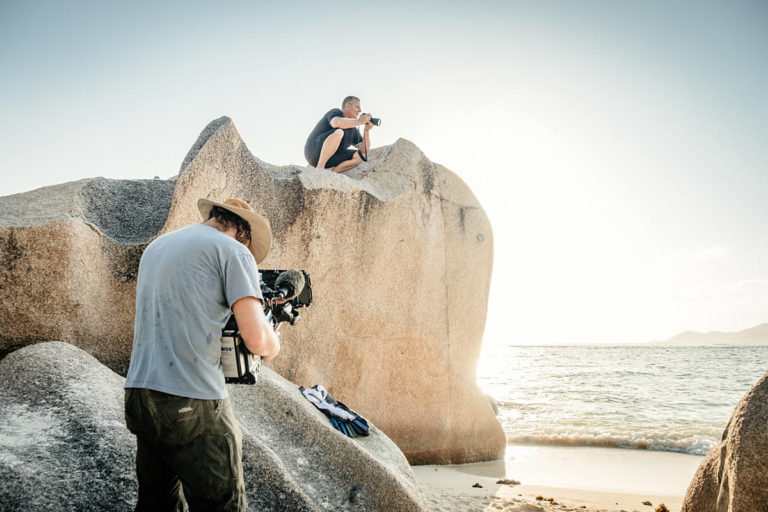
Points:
x=239 y=365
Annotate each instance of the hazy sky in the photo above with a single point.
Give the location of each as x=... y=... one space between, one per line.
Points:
x=618 y=148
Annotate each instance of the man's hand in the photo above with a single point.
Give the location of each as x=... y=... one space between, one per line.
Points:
x=365 y=118
x=369 y=125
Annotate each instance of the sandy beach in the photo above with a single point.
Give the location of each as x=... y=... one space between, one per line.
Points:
x=563 y=479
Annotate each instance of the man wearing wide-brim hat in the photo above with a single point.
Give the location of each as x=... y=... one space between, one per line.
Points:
x=176 y=403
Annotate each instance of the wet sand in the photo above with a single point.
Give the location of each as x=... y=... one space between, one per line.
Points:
x=564 y=478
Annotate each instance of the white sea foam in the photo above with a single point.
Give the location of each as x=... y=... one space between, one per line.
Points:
x=692 y=446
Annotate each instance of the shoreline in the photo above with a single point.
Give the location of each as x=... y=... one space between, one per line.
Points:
x=574 y=478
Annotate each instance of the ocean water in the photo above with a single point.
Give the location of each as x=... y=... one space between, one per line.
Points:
x=676 y=399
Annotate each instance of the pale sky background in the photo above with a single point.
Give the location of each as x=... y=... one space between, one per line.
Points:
x=618 y=148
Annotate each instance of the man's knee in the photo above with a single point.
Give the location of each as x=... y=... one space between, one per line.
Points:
x=338 y=133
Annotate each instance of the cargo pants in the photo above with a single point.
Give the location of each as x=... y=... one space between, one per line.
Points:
x=187 y=449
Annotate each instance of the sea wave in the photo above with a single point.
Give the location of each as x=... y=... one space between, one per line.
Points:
x=642 y=398
x=691 y=445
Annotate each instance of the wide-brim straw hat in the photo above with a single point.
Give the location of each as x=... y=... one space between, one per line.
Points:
x=261 y=235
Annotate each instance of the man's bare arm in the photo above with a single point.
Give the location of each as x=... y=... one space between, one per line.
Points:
x=255 y=329
x=365 y=146
x=344 y=122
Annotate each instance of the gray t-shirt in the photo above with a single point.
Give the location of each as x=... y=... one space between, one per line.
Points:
x=188 y=280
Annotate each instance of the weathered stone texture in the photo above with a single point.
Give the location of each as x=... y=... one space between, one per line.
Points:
x=733 y=477
x=64 y=444
x=68 y=261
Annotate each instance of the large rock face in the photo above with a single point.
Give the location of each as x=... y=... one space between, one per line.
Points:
x=68 y=261
x=64 y=444
x=399 y=250
x=733 y=477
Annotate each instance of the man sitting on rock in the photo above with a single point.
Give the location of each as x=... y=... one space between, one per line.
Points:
x=176 y=404
x=327 y=147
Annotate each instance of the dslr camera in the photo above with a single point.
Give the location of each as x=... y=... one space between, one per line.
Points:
x=375 y=120
x=239 y=365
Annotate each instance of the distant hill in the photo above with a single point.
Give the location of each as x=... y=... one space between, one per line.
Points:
x=753 y=336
